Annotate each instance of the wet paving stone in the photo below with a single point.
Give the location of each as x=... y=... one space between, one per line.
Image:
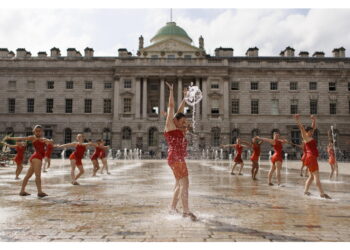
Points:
x=132 y=204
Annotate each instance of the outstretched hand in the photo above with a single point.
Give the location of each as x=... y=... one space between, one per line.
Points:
x=313 y=117
x=296 y=116
x=170 y=86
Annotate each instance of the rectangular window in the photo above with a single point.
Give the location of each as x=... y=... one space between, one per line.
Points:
x=333 y=108
x=69 y=85
x=312 y=85
x=235 y=106
x=273 y=85
x=294 y=107
x=50 y=84
x=274 y=107
x=107 y=106
x=88 y=85
x=108 y=85
x=214 y=85
x=187 y=57
x=49 y=105
x=215 y=111
x=31 y=84
x=154 y=56
x=255 y=106
x=87 y=105
x=313 y=107
x=69 y=105
x=234 y=85
x=254 y=85
x=332 y=86
x=30 y=105
x=12 y=84
x=12 y=105
x=293 y=86
x=171 y=56
x=127 y=84
x=127 y=105
x=295 y=135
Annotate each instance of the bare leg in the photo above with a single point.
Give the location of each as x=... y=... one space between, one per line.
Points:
x=233 y=167
x=81 y=171
x=176 y=195
x=308 y=183
x=255 y=169
x=332 y=171
x=37 y=171
x=48 y=162
x=96 y=167
x=318 y=182
x=184 y=183
x=278 y=171
x=72 y=171
x=301 y=169
x=269 y=176
x=105 y=165
x=336 y=169
x=18 y=170
x=29 y=174
x=44 y=165
x=240 y=169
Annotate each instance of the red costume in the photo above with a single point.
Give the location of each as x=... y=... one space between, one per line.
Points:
x=102 y=154
x=256 y=152
x=39 y=153
x=304 y=154
x=96 y=154
x=20 y=155
x=331 y=155
x=177 y=151
x=49 y=149
x=78 y=154
x=311 y=155
x=239 y=149
x=277 y=156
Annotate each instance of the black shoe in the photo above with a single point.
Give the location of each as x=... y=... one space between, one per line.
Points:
x=232 y=173
x=270 y=184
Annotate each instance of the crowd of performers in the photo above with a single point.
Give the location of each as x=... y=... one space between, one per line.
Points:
x=176 y=127
x=41 y=158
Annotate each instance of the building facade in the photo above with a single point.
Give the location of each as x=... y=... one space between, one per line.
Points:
x=122 y=98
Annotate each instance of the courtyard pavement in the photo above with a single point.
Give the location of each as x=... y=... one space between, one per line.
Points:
x=132 y=203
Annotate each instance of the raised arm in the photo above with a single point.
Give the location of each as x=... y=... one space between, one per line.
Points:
x=246 y=144
x=28 y=138
x=271 y=141
x=226 y=145
x=169 y=123
x=68 y=145
x=181 y=108
x=8 y=145
x=313 y=123
x=301 y=127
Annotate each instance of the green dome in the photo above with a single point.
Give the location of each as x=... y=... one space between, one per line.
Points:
x=171 y=29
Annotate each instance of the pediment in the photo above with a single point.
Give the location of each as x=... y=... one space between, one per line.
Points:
x=126 y=93
x=171 y=45
x=215 y=95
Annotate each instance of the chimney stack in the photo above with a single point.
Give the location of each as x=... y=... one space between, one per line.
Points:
x=55 y=52
x=318 y=54
x=21 y=53
x=89 y=52
x=4 y=52
x=304 y=54
x=252 y=52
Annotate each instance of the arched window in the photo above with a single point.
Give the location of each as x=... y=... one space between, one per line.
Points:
x=87 y=133
x=275 y=130
x=67 y=135
x=255 y=132
x=215 y=136
x=234 y=135
x=153 y=137
x=106 y=135
x=126 y=133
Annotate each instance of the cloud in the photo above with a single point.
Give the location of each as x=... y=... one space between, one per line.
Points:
x=106 y=30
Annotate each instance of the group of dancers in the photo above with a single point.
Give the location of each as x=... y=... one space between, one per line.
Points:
x=176 y=127
x=41 y=158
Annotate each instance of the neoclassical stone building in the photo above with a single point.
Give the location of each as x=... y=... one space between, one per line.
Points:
x=121 y=98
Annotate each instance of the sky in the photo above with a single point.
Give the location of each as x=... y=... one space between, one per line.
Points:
x=107 y=30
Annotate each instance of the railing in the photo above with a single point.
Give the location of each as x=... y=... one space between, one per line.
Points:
x=172 y=62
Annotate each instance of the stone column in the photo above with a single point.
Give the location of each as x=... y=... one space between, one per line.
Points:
x=226 y=99
x=205 y=99
x=138 y=98
x=116 y=99
x=144 y=97
x=179 y=91
x=162 y=95
x=198 y=105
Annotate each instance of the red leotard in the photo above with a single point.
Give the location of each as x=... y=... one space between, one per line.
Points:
x=39 y=153
x=20 y=155
x=331 y=155
x=177 y=151
x=256 y=152
x=102 y=154
x=277 y=156
x=78 y=154
x=49 y=149
x=304 y=154
x=239 y=149
x=96 y=154
x=311 y=155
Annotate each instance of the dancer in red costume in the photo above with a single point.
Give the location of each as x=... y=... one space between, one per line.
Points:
x=77 y=156
x=47 y=159
x=20 y=149
x=331 y=160
x=99 y=151
x=311 y=156
x=255 y=146
x=35 y=160
x=238 y=155
x=277 y=157
x=103 y=157
x=175 y=130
